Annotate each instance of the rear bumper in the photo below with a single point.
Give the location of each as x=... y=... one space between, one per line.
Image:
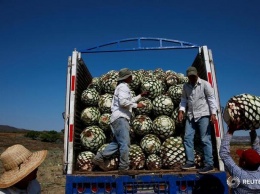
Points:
x=148 y=183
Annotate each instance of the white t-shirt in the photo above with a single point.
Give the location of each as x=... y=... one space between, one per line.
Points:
x=34 y=187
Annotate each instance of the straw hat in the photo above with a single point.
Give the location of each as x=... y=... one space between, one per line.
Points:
x=18 y=162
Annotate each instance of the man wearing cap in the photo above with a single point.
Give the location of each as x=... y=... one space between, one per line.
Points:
x=122 y=105
x=248 y=171
x=20 y=170
x=199 y=104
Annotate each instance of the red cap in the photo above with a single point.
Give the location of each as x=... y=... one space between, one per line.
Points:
x=250 y=156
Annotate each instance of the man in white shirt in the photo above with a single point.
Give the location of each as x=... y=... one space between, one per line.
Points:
x=122 y=105
x=199 y=101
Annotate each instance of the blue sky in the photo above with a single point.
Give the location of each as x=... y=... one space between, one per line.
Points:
x=36 y=38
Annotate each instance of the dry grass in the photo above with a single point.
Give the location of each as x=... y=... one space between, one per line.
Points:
x=50 y=172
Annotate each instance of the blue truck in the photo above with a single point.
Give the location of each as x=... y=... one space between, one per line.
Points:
x=140 y=181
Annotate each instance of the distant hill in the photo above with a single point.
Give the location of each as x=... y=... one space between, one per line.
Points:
x=6 y=128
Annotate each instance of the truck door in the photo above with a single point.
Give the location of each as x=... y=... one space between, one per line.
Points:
x=211 y=77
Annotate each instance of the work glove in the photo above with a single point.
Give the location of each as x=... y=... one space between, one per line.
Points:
x=253 y=135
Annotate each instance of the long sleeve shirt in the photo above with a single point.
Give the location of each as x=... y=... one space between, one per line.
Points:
x=199 y=100
x=123 y=102
x=236 y=171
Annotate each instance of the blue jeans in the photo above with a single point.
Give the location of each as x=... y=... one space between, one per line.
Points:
x=204 y=126
x=120 y=128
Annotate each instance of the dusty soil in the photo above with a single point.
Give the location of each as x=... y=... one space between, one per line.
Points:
x=50 y=172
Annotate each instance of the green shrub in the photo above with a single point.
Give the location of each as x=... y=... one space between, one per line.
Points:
x=33 y=134
x=50 y=136
x=45 y=136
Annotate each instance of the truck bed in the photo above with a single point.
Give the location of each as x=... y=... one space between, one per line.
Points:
x=140 y=181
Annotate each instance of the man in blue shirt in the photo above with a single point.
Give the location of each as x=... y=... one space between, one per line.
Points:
x=122 y=105
x=246 y=176
x=198 y=101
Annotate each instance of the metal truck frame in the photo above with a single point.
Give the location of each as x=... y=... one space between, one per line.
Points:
x=144 y=181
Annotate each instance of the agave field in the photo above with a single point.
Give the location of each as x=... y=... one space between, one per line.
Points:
x=156 y=135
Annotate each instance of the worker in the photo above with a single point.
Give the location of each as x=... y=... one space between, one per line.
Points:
x=20 y=170
x=122 y=105
x=199 y=104
x=245 y=177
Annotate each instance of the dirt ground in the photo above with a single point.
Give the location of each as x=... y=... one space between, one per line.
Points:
x=50 y=172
